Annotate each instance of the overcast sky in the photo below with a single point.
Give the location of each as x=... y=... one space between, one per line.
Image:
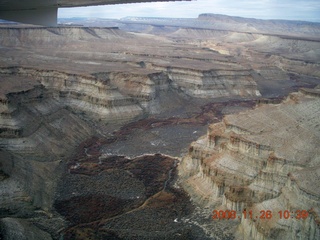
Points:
x=308 y=10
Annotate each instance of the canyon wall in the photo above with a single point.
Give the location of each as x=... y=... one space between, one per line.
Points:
x=37 y=133
x=60 y=86
x=44 y=115
x=266 y=159
x=115 y=56
x=81 y=92
x=224 y=82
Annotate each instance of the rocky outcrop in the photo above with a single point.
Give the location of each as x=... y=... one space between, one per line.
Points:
x=143 y=88
x=36 y=134
x=81 y=93
x=214 y=83
x=261 y=160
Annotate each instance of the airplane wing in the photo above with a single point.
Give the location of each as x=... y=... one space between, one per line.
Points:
x=44 y=12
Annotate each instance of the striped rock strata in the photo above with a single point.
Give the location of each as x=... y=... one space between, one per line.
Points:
x=266 y=159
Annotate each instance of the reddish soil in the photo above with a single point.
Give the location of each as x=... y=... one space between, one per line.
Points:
x=211 y=112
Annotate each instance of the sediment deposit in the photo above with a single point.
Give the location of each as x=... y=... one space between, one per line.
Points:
x=266 y=159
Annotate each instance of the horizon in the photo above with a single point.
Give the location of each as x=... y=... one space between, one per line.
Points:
x=296 y=10
x=217 y=14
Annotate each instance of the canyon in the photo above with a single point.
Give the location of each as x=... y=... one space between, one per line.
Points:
x=96 y=124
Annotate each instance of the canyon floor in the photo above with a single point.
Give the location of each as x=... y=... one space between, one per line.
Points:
x=138 y=129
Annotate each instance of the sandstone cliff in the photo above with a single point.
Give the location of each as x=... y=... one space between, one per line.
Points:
x=260 y=160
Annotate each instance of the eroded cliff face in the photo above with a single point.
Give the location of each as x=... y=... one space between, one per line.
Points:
x=265 y=159
x=224 y=81
x=45 y=114
x=115 y=55
x=82 y=93
x=36 y=135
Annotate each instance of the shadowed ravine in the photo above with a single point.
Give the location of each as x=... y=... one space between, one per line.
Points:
x=151 y=179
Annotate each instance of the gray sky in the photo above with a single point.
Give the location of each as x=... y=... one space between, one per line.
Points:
x=308 y=10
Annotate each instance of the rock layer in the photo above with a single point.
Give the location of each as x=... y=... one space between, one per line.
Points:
x=32 y=124
x=138 y=72
x=81 y=93
x=260 y=160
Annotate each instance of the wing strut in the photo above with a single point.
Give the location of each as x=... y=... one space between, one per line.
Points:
x=42 y=16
